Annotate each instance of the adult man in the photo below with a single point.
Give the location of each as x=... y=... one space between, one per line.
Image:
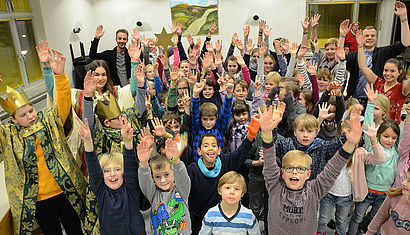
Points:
x=375 y=56
x=118 y=58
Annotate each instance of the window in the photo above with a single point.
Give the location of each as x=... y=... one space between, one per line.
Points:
x=334 y=12
x=19 y=63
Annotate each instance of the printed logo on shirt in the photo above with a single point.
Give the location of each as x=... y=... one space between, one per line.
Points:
x=292 y=209
x=398 y=222
x=165 y=223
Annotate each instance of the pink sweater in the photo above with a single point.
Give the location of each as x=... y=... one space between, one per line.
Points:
x=404 y=153
x=393 y=217
x=358 y=174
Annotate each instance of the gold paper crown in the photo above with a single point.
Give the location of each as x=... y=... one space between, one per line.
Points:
x=14 y=100
x=110 y=111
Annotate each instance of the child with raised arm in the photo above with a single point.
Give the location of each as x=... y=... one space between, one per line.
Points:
x=114 y=181
x=293 y=202
x=229 y=216
x=43 y=181
x=165 y=182
x=393 y=215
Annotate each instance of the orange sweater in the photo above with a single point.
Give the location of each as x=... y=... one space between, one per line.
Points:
x=47 y=186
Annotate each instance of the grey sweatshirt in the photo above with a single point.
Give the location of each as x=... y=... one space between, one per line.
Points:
x=295 y=211
x=169 y=211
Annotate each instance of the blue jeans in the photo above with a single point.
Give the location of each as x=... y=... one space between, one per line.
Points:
x=342 y=205
x=372 y=199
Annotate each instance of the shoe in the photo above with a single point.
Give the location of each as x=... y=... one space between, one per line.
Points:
x=331 y=224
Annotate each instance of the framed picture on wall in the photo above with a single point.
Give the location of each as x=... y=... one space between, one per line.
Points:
x=195 y=16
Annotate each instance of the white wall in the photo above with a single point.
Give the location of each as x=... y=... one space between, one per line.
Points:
x=61 y=16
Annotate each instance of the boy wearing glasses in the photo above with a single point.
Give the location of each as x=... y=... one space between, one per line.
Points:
x=293 y=202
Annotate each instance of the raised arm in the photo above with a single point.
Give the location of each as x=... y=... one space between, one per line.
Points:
x=44 y=54
x=269 y=120
x=62 y=85
x=94 y=169
x=401 y=11
x=305 y=26
x=368 y=73
x=144 y=151
x=99 y=32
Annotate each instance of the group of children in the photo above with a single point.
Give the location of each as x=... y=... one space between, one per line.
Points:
x=212 y=145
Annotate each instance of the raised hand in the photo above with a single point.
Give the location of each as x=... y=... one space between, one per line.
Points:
x=136 y=35
x=43 y=52
x=370 y=92
x=266 y=30
x=144 y=149
x=284 y=44
x=311 y=66
x=207 y=60
x=249 y=46
x=353 y=136
x=187 y=99
x=333 y=85
x=315 y=44
x=240 y=46
x=359 y=38
x=134 y=50
x=302 y=51
x=209 y=47
x=192 y=78
x=84 y=130
x=266 y=120
x=159 y=128
x=99 y=32
x=218 y=46
x=229 y=89
x=262 y=49
x=276 y=44
x=164 y=60
x=212 y=28
x=246 y=31
x=198 y=87
x=324 y=112
x=305 y=24
x=90 y=84
x=240 y=61
x=315 y=20
x=258 y=83
x=190 y=39
x=126 y=130
x=293 y=49
x=400 y=10
x=148 y=106
x=174 y=27
x=278 y=111
x=58 y=63
x=345 y=27
x=371 y=131
x=336 y=92
x=262 y=24
x=171 y=150
x=139 y=75
x=174 y=74
x=144 y=41
x=340 y=53
x=234 y=38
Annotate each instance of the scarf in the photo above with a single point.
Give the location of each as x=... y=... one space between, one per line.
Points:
x=113 y=134
x=210 y=173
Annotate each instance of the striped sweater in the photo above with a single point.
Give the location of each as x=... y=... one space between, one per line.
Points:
x=242 y=222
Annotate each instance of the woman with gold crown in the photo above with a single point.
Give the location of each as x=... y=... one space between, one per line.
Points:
x=43 y=181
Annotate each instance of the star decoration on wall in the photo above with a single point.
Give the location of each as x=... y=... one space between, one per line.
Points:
x=164 y=39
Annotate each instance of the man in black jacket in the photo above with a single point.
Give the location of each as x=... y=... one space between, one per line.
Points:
x=375 y=56
x=118 y=58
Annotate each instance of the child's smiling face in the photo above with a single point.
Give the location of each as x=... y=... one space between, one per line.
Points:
x=295 y=173
x=113 y=175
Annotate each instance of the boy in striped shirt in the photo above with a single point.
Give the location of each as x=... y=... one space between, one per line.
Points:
x=229 y=216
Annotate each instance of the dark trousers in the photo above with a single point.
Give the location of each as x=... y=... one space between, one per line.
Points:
x=52 y=211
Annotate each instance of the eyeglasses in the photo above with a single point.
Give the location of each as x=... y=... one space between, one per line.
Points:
x=299 y=169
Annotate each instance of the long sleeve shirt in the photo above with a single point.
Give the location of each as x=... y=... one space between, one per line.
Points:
x=168 y=207
x=118 y=210
x=296 y=211
x=218 y=129
x=204 y=190
x=393 y=217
